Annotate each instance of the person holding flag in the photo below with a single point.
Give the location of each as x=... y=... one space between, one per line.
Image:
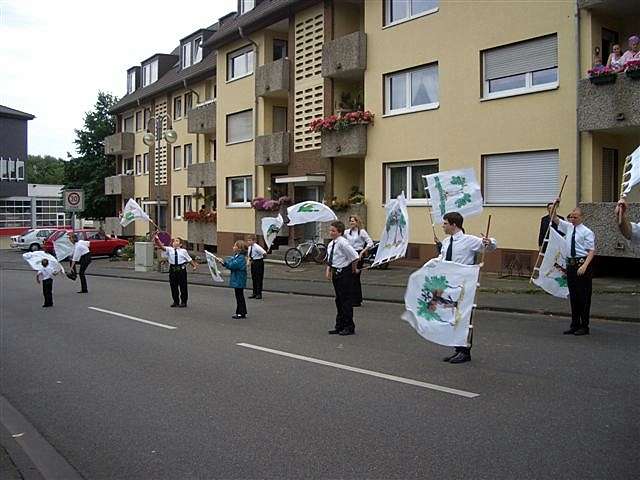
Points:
x=82 y=256
x=256 y=260
x=178 y=258
x=630 y=230
x=461 y=248
x=360 y=240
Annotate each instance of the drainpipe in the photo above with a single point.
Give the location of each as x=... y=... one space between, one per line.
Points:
x=255 y=109
x=578 y=137
x=193 y=92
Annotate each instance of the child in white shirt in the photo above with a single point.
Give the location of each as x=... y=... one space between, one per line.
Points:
x=45 y=276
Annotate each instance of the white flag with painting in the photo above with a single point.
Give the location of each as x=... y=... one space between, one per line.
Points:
x=394 y=238
x=213 y=267
x=133 y=211
x=270 y=228
x=454 y=191
x=63 y=247
x=631 y=174
x=307 y=212
x=34 y=259
x=439 y=301
x=552 y=275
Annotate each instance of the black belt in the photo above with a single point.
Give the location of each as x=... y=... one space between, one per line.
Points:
x=182 y=266
x=257 y=259
x=575 y=261
x=340 y=270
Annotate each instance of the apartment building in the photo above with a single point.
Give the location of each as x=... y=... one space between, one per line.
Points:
x=497 y=86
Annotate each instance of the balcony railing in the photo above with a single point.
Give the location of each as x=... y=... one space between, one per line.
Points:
x=272 y=79
x=121 y=143
x=202 y=118
x=119 y=185
x=273 y=149
x=202 y=233
x=610 y=106
x=201 y=175
x=345 y=57
x=351 y=142
x=112 y=226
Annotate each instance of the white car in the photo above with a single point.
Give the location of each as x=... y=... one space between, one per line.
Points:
x=32 y=239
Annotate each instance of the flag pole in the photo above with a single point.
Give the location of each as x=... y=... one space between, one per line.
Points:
x=473 y=310
x=627 y=162
x=554 y=209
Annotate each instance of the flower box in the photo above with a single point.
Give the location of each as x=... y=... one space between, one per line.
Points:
x=603 y=79
x=633 y=73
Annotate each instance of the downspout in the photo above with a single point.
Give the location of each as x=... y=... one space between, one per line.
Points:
x=184 y=84
x=255 y=110
x=578 y=136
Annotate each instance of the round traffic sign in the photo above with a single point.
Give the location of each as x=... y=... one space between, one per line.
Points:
x=74 y=199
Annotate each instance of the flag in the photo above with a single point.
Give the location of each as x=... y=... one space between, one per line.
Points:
x=552 y=274
x=213 y=267
x=63 y=247
x=439 y=301
x=394 y=238
x=34 y=259
x=454 y=191
x=631 y=174
x=306 y=212
x=133 y=211
x=270 y=228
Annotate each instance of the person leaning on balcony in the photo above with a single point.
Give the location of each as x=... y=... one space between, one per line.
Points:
x=634 y=50
x=360 y=240
x=580 y=243
x=630 y=230
x=615 y=59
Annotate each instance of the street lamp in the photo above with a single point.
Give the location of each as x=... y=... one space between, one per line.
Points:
x=149 y=139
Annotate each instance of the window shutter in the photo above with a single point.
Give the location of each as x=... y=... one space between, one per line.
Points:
x=522 y=57
x=521 y=178
x=240 y=126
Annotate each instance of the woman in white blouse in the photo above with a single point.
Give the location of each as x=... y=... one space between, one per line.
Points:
x=360 y=240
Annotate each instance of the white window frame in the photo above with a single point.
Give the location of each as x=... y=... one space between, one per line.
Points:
x=186 y=55
x=387 y=15
x=212 y=150
x=124 y=124
x=244 y=51
x=20 y=166
x=131 y=82
x=138 y=164
x=248 y=193
x=138 y=116
x=197 y=50
x=250 y=139
x=150 y=73
x=388 y=112
x=125 y=164
x=177 y=212
x=407 y=191
x=173 y=157
x=187 y=161
x=187 y=199
x=4 y=168
x=145 y=163
x=528 y=88
x=177 y=100
x=247 y=6
x=188 y=95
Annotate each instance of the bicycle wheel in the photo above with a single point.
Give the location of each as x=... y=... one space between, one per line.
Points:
x=293 y=258
x=320 y=253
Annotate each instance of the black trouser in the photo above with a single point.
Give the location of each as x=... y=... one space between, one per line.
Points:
x=178 y=282
x=343 y=286
x=357 y=286
x=84 y=262
x=580 y=287
x=257 y=276
x=241 y=305
x=47 y=291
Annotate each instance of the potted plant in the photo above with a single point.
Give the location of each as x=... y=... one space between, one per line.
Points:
x=336 y=123
x=602 y=75
x=632 y=69
x=206 y=216
x=270 y=205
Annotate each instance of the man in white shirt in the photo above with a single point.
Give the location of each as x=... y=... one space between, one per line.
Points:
x=178 y=258
x=256 y=258
x=341 y=266
x=45 y=275
x=580 y=243
x=459 y=247
x=630 y=230
x=82 y=256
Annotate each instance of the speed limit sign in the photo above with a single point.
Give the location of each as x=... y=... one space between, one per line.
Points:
x=73 y=200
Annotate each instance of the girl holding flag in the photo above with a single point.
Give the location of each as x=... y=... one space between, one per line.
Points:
x=237 y=263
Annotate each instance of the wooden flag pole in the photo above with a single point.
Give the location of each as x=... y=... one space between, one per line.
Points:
x=554 y=209
x=470 y=334
x=627 y=162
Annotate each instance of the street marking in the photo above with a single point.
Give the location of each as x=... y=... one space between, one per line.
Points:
x=168 y=327
x=393 y=378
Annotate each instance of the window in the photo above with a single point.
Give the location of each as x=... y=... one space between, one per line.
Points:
x=147 y=115
x=526 y=178
x=4 y=168
x=188 y=103
x=177 y=158
x=186 y=55
x=19 y=170
x=188 y=159
x=210 y=90
x=177 y=207
x=279 y=49
x=279 y=118
x=240 y=63
x=131 y=81
x=138 y=164
x=128 y=166
x=177 y=107
x=149 y=73
x=412 y=90
x=212 y=150
x=240 y=126
x=15 y=213
x=239 y=191
x=187 y=203
x=11 y=167
x=138 y=121
x=246 y=5
x=145 y=162
x=396 y=11
x=127 y=124
x=407 y=178
x=522 y=67
x=197 y=50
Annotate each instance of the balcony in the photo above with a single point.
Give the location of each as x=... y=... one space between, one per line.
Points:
x=351 y=142
x=204 y=233
x=606 y=107
x=112 y=226
x=273 y=149
x=609 y=240
x=119 y=185
x=346 y=57
x=121 y=143
x=610 y=7
x=272 y=79
x=202 y=118
x=201 y=175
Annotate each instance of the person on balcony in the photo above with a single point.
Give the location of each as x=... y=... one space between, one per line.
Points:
x=615 y=59
x=634 y=50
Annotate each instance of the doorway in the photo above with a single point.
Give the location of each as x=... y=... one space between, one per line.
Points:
x=609 y=39
x=610 y=177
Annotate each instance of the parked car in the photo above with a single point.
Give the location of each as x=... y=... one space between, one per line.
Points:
x=99 y=243
x=32 y=239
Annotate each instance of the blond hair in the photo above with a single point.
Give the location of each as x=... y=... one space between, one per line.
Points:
x=241 y=245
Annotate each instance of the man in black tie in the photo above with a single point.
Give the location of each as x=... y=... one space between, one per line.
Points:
x=256 y=260
x=544 y=225
x=178 y=259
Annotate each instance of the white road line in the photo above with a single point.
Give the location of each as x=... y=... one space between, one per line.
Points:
x=393 y=378
x=168 y=327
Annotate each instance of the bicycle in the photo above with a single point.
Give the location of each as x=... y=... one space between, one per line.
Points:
x=311 y=249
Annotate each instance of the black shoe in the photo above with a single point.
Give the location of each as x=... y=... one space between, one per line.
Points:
x=182 y=305
x=258 y=297
x=461 y=357
x=448 y=359
x=347 y=331
x=334 y=332
x=83 y=291
x=173 y=305
x=581 y=331
x=356 y=305
x=571 y=331
x=237 y=315
x=252 y=296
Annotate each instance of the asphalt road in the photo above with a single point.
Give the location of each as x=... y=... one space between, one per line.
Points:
x=121 y=399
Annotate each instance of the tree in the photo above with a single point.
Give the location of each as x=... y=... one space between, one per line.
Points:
x=89 y=169
x=47 y=169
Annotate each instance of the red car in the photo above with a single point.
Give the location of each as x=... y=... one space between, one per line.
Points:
x=99 y=243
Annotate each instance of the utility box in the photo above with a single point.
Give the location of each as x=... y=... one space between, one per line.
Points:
x=144 y=256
